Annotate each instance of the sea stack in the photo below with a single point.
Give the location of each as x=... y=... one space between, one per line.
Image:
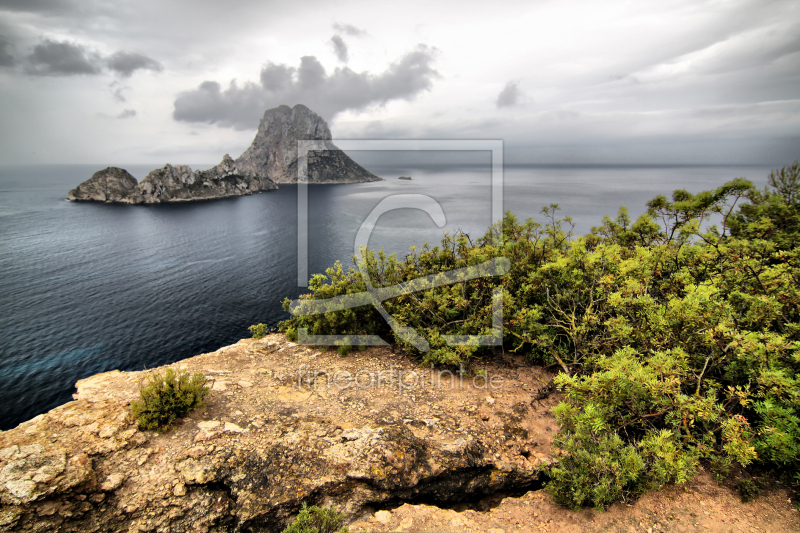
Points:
x=274 y=150
x=270 y=159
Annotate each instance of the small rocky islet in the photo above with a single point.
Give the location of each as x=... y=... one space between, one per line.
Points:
x=271 y=159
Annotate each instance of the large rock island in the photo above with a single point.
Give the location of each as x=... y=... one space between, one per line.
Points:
x=274 y=150
x=270 y=159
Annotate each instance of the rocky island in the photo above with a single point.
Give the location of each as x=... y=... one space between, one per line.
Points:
x=270 y=159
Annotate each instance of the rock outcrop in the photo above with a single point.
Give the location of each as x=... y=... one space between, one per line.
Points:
x=109 y=185
x=393 y=446
x=283 y=425
x=180 y=183
x=274 y=149
x=270 y=159
x=170 y=184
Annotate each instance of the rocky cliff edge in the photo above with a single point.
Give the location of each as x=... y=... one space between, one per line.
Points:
x=283 y=425
x=394 y=446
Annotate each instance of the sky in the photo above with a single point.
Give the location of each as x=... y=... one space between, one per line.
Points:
x=559 y=82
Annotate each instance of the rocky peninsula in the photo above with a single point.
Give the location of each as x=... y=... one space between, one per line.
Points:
x=270 y=159
x=394 y=446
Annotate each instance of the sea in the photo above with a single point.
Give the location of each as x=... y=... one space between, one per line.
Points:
x=89 y=287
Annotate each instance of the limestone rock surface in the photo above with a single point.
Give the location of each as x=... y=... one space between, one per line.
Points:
x=394 y=446
x=288 y=425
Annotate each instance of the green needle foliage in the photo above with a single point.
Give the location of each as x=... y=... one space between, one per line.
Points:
x=677 y=341
x=165 y=397
x=317 y=520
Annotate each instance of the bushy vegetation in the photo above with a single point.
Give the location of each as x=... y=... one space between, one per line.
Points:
x=678 y=341
x=259 y=330
x=166 y=397
x=317 y=520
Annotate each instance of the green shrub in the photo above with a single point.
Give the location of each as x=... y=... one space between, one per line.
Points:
x=595 y=467
x=317 y=520
x=344 y=350
x=259 y=330
x=677 y=343
x=750 y=488
x=163 y=398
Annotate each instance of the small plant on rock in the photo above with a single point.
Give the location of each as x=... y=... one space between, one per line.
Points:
x=259 y=330
x=317 y=520
x=165 y=397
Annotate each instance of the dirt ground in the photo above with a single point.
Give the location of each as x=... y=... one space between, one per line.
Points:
x=702 y=505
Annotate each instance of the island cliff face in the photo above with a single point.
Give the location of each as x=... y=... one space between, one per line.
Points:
x=270 y=159
x=274 y=150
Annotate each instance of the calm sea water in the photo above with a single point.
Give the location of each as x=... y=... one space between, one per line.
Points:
x=87 y=288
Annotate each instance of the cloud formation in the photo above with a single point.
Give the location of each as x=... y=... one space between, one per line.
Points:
x=52 y=58
x=339 y=48
x=6 y=59
x=349 y=29
x=510 y=96
x=128 y=113
x=117 y=91
x=64 y=58
x=31 y=6
x=125 y=63
x=241 y=107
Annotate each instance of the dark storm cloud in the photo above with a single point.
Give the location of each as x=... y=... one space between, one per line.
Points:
x=339 y=48
x=510 y=96
x=6 y=59
x=349 y=29
x=51 y=58
x=34 y=6
x=125 y=63
x=240 y=107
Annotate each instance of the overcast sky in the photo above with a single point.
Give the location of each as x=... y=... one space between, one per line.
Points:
x=157 y=81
